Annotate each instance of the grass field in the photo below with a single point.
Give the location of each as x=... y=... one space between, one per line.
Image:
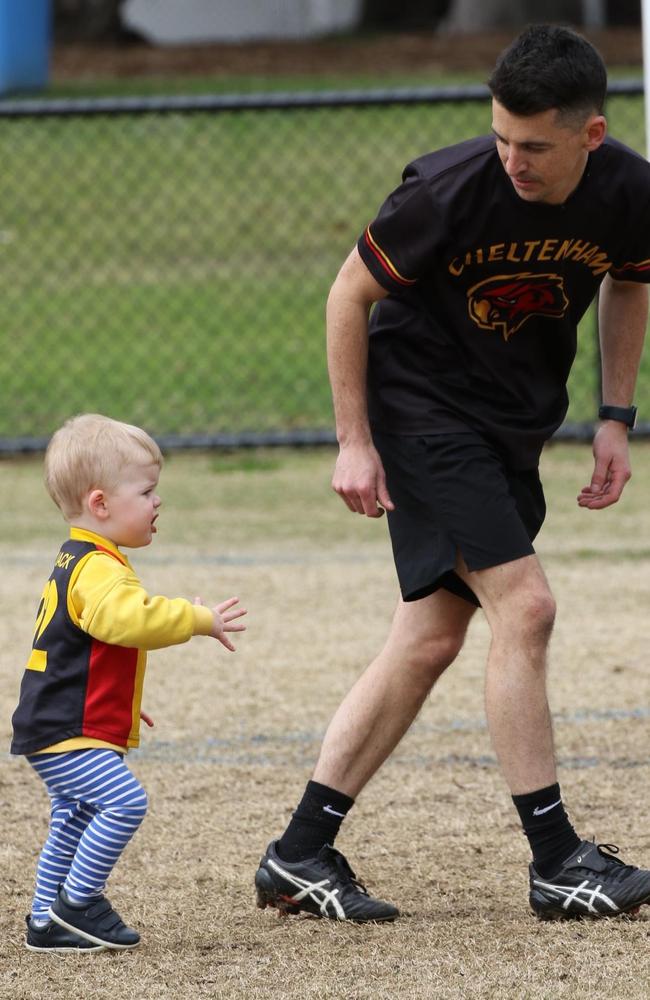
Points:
x=172 y=270
x=250 y=83
x=181 y=276
x=236 y=736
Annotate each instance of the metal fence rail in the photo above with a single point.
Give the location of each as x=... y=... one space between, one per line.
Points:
x=167 y=260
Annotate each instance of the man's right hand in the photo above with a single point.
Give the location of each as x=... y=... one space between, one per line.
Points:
x=360 y=480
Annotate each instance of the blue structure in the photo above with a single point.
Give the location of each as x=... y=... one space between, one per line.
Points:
x=25 y=36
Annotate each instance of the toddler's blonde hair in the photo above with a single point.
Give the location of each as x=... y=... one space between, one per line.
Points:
x=89 y=452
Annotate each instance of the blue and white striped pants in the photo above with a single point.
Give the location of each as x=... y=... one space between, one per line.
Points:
x=96 y=807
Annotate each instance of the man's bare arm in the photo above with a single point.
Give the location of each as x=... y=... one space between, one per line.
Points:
x=622 y=316
x=359 y=477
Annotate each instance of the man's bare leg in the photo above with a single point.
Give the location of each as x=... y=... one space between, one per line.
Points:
x=425 y=638
x=301 y=871
x=568 y=876
x=520 y=610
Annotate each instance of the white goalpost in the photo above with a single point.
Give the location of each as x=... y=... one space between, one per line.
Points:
x=645 y=28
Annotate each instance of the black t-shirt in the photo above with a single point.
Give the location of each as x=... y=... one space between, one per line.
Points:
x=486 y=291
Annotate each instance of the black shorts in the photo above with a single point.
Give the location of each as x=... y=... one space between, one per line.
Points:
x=453 y=494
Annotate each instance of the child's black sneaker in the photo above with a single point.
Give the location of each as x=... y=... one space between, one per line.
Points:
x=591 y=883
x=52 y=937
x=325 y=886
x=96 y=921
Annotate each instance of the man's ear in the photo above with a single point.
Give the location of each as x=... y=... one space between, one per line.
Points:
x=595 y=132
x=96 y=504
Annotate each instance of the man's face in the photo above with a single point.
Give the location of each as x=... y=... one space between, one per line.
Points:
x=544 y=157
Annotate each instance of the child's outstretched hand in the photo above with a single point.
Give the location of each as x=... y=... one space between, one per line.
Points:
x=223 y=616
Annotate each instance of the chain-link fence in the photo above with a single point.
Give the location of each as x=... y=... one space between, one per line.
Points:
x=167 y=261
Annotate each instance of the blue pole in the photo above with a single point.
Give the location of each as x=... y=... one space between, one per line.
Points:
x=25 y=38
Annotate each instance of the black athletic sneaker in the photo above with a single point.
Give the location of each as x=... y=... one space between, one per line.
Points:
x=51 y=937
x=591 y=883
x=325 y=886
x=95 y=921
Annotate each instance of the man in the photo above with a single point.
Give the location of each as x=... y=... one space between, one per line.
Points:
x=481 y=264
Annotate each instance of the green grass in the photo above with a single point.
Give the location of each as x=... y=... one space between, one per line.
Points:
x=172 y=270
x=250 y=83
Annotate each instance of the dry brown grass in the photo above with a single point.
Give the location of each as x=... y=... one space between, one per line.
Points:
x=236 y=737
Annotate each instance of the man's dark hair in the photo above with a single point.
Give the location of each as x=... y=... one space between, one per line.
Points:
x=548 y=66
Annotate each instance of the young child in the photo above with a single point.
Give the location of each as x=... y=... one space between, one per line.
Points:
x=79 y=709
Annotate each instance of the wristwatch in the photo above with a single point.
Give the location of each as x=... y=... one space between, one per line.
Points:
x=626 y=414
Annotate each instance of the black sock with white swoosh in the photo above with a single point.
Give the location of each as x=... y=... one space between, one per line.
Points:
x=552 y=838
x=315 y=822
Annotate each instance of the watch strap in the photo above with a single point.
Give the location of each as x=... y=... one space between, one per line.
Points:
x=625 y=414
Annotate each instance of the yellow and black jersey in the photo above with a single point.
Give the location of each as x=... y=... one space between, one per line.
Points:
x=82 y=685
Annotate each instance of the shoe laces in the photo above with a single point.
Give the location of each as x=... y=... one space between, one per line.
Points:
x=610 y=851
x=342 y=868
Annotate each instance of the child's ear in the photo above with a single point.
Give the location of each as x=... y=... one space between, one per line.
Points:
x=96 y=504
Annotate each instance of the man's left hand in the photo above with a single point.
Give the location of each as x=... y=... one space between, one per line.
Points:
x=611 y=469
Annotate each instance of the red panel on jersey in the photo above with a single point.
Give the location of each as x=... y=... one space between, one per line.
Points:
x=108 y=710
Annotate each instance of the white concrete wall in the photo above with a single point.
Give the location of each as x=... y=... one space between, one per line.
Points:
x=169 y=22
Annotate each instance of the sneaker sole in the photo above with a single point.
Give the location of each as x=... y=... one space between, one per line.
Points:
x=268 y=895
x=80 y=951
x=90 y=937
x=544 y=910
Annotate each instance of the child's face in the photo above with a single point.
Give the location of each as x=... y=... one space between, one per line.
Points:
x=133 y=506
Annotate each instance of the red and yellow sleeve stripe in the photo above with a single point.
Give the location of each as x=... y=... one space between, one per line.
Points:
x=642 y=267
x=385 y=261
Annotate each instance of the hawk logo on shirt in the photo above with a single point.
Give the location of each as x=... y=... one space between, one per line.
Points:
x=505 y=303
